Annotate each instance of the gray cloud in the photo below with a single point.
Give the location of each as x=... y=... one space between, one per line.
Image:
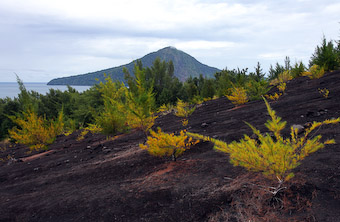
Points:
x=41 y=41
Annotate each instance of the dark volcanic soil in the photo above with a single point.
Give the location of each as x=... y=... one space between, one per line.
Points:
x=114 y=180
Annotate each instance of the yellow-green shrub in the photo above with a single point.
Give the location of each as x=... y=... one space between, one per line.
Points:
x=281 y=87
x=183 y=110
x=274 y=96
x=93 y=128
x=35 y=131
x=282 y=77
x=314 y=72
x=324 y=92
x=164 y=144
x=165 y=109
x=274 y=157
x=238 y=96
x=197 y=99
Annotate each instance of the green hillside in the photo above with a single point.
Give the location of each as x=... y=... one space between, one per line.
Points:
x=184 y=64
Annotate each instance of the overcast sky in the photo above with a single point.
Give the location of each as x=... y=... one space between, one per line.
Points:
x=44 y=39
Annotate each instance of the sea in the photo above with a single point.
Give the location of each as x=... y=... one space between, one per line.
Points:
x=11 y=89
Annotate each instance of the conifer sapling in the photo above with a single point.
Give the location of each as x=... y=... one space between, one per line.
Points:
x=274 y=157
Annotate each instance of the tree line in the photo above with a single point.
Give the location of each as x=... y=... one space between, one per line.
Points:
x=81 y=109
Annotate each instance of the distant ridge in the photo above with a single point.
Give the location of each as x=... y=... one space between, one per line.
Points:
x=184 y=66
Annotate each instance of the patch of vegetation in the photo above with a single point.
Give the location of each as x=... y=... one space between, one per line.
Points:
x=314 y=72
x=34 y=131
x=276 y=156
x=183 y=110
x=324 y=92
x=164 y=144
x=238 y=96
x=326 y=55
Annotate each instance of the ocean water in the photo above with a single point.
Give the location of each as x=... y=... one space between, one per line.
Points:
x=11 y=89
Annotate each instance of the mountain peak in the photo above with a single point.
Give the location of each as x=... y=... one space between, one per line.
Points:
x=184 y=66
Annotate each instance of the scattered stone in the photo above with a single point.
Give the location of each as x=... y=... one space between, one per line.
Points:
x=13 y=160
x=203 y=125
x=322 y=111
x=299 y=127
x=106 y=150
x=66 y=161
x=36 y=169
x=88 y=147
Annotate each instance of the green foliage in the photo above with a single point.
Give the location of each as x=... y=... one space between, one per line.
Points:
x=326 y=55
x=274 y=157
x=166 y=88
x=140 y=102
x=27 y=100
x=190 y=87
x=7 y=107
x=258 y=76
x=164 y=144
x=275 y=72
x=256 y=89
x=298 y=69
x=113 y=118
x=208 y=89
x=34 y=131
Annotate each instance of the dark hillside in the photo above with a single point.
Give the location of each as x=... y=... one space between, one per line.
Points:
x=113 y=180
x=184 y=64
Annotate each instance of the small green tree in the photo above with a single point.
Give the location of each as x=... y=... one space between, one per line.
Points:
x=274 y=157
x=258 y=74
x=274 y=72
x=140 y=103
x=113 y=118
x=208 y=89
x=256 y=89
x=183 y=110
x=298 y=69
x=325 y=56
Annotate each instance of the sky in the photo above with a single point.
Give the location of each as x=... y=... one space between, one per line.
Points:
x=45 y=39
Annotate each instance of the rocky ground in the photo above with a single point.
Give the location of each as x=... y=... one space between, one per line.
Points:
x=100 y=179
